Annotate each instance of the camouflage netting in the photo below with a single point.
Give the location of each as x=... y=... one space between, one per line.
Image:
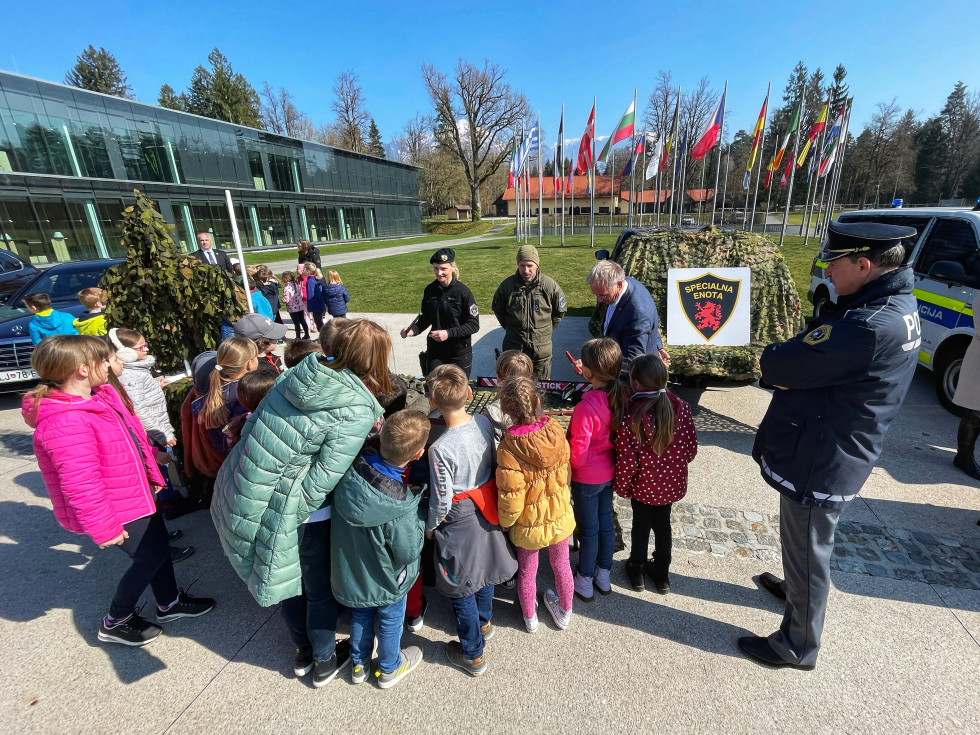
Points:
x=776 y=312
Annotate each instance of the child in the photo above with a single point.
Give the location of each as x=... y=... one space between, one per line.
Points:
x=306 y=278
x=592 y=440
x=236 y=356
x=100 y=488
x=265 y=333
x=335 y=294
x=316 y=302
x=144 y=390
x=533 y=476
x=472 y=553
x=292 y=296
x=510 y=364
x=260 y=304
x=375 y=547
x=252 y=388
x=653 y=450
x=269 y=287
x=297 y=349
x=93 y=320
x=46 y=321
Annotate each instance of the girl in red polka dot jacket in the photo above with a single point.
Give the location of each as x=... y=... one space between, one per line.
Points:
x=654 y=446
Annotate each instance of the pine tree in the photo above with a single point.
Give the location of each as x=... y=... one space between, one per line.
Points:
x=375 y=147
x=171 y=100
x=98 y=71
x=219 y=93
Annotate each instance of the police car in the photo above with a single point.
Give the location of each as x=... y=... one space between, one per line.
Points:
x=946 y=262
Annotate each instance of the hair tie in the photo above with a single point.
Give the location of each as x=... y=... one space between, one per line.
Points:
x=649 y=393
x=217 y=367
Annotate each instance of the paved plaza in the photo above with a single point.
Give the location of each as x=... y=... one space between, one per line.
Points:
x=901 y=647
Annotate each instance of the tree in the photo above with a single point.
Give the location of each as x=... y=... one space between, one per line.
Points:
x=930 y=154
x=170 y=99
x=659 y=115
x=960 y=119
x=171 y=298
x=375 y=147
x=415 y=142
x=280 y=115
x=98 y=71
x=219 y=93
x=352 y=116
x=475 y=114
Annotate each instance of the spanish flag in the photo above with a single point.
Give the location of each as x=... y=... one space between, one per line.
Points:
x=818 y=126
x=760 y=125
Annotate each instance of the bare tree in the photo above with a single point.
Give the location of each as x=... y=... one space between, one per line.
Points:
x=352 y=115
x=475 y=114
x=659 y=115
x=280 y=114
x=696 y=105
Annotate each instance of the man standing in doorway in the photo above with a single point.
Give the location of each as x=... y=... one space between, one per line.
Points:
x=529 y=306
x=207 y=253
x=838 y=385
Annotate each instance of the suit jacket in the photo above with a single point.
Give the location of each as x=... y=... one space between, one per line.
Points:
x=223 y=261
x=634 y=323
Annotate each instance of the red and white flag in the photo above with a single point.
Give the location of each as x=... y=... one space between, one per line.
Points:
x=711 y=131
x=584 y=163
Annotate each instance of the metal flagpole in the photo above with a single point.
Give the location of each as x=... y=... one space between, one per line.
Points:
x=815 y=177
x=792 y=172
x=572 y=167
x=238 y=248
x=540 y=182
x=839 y=164
x=518 y=189
x=702 y=194
x=775 y=150
x=561 y=168
x=554 y=178
x=721 y=140
x=643 y=179
x=591 y=179
x=762 y=153
x=724 y=186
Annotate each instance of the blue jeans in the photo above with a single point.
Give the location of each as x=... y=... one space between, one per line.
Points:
x=391 y=620
x=472 y=612
x=594 y=518
x=312 y=616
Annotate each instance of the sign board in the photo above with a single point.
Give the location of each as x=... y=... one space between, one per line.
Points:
x=709 y=306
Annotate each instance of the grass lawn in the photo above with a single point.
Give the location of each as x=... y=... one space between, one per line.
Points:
x=395 y=284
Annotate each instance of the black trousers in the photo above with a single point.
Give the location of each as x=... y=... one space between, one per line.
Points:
x=463 y=360
x=147 y=546
x=299 y=324
x=654 y=518
x=318 y=319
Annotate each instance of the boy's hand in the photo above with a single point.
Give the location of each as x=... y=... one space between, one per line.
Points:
x=117 y=541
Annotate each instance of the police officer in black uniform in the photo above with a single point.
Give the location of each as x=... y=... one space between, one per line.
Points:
x=838 y=385
x=448 y=307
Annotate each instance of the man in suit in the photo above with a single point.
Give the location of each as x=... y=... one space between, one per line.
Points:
x=631 y=316
x=207 y=253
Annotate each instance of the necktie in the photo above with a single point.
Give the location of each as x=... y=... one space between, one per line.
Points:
x=211 y=259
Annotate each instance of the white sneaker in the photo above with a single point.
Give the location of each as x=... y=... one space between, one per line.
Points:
x=531 y=624
x=561 y=617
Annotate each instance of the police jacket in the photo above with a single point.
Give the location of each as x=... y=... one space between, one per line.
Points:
x=845 y=377
x=452 y=308
x=529 y=311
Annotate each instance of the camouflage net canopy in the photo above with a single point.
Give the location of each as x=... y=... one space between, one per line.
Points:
x=775 y=305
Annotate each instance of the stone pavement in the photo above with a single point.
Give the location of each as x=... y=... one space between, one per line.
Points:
x=899 y=654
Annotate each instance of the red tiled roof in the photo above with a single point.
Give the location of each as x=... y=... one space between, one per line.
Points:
x=701 y=195
x=548 y=188
x=649 y=196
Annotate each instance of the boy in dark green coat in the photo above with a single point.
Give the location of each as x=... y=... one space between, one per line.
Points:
x=376 y=541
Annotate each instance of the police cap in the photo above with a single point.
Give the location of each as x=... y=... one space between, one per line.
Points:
x=443 y=255
x=846 y=238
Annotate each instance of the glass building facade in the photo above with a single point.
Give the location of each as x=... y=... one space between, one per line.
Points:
x=70 y=159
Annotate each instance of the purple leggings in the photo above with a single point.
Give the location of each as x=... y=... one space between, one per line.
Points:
x=527 y=572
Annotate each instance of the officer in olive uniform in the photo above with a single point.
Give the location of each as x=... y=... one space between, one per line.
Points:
x=448 y=307
x=838 y=385
x=529 y=306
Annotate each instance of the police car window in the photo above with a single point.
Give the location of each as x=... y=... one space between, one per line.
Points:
x=920 y=223
x=953 y=240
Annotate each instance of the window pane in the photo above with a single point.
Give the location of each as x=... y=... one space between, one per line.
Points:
x=951 y=240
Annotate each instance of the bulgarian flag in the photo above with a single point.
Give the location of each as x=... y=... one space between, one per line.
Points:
x=760 y=125
x=818 y=125
x=623 y=131
x=777 y=159
x=584 y=162
x=711 y=131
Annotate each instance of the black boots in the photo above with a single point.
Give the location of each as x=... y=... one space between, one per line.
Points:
x=966 y=442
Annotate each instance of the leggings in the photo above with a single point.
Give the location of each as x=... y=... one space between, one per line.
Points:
x=318 y=319
x=299 y=323
x=527 y=572
x=147 y=546
x=654 y=518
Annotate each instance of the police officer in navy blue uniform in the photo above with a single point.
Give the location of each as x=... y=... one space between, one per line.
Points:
x=448 y=307
x=838 y=385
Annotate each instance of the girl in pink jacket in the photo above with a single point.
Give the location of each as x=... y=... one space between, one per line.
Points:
x=592 y=439
x=101 y=476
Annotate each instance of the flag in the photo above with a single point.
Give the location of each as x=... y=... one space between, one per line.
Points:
x=528 y=146
x=628 y=168
x=760 y=126
x=559 y=152
x=791 y=128
x=819 y=124
x=623 y=131
x=835 y=139
x=584 y=162
x=588 y=182
x=680 y=155
x=711 y=131
x=673 y=133
x=513 y=166
x=653 y=167
x=570 y=185
x=784 y=179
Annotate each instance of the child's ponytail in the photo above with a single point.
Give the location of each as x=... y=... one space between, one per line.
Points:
x=231 y=363
x=650 y=374
x=604 y=359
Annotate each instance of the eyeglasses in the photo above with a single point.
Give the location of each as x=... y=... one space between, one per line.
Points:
x=141 y=348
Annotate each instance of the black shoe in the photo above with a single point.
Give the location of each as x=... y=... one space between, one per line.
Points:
x=185 y=607
x=771 y=584
x=179 y=553
x=661 y=582
x=174 y=535
x=133 y=631
x=634 y=572
x=303 y=661
x=325 y=671
x=968 y=465
x=662 y=585
x=759 y=650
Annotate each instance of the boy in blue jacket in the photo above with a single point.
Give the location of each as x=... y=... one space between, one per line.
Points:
x=375 y=544
x=47 y=321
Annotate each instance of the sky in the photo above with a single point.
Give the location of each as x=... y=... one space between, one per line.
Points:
x=554 y=52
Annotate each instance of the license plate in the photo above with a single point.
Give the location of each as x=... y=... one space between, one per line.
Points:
x=11 y=376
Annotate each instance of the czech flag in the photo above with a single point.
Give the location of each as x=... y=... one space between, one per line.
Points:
x=711 y=131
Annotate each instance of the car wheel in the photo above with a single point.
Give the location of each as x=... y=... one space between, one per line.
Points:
x=946 y=374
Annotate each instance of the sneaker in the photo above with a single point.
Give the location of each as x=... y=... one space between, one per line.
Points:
x=325 y=671
x=583 y=588
x=602 y=581
x=531 y=624
x=511 y=584
x=411 y=657
x=303 y=661
x=185 y=607
x=133 y=631
x=634 y=572
x=415 y=624
x=561 y=617
x=487 y=630
x=360 y=673
x=179 y=553
x=174 y=535
x=472 y=666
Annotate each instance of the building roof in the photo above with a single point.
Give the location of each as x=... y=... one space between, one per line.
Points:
x=648 y=197
x=548 y=187
x=465 y=207
x=701 y=195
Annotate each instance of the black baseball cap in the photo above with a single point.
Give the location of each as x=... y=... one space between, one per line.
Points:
x=863 y=238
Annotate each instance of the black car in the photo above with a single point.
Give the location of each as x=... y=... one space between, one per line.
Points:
x=14 y=273
x=62 y=283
